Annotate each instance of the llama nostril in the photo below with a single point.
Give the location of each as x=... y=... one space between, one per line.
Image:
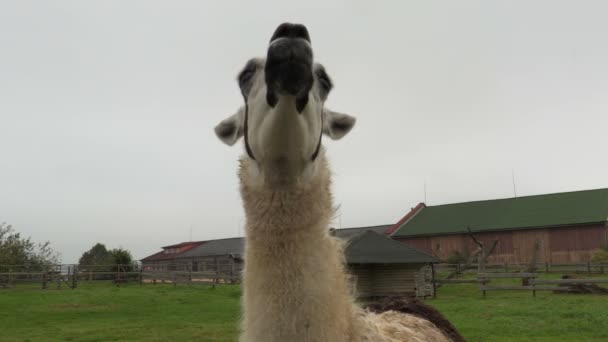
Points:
x=289 y=50
x=289 y=30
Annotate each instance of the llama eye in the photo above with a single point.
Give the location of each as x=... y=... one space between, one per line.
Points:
x=245 y=76
x=325 y=83
x=324 y=80
x=247 y=73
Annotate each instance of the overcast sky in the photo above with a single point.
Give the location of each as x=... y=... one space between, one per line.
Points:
x=107 y=109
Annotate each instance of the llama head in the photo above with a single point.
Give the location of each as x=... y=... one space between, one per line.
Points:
x=284 y=117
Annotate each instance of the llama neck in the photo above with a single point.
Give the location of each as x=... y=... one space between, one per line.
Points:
x=294 y=283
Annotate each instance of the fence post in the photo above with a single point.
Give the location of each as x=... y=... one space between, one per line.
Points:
x=433 y=280
x=10 y=277
x=74 y=277
x=141 y=276
x=589 y=268
x=546 y=267
x=58 y=280
x=506 y=268
x=44 y=280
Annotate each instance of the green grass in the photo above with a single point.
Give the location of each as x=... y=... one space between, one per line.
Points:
x=517 y=316
x=127 y=313
x=103 y=312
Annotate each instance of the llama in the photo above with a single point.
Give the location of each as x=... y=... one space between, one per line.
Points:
x=295 y=286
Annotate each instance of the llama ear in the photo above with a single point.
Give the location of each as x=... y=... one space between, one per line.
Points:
x=336 y=125
x=231 y=129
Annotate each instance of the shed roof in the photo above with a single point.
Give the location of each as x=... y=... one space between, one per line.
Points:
x=231 y=246
x=348 y=233
x=183 y=244
x=528 y=212
x=183 y=248
x=365 y=245
x=370 y=247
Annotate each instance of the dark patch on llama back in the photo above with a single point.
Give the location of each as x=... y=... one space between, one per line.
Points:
x=417 y=308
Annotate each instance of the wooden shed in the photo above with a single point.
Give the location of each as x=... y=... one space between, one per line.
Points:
x=567 y=227
x=380 y=266
x=221 y=255
x=165 y=260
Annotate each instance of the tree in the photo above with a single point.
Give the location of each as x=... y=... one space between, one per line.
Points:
x=123 y=258
x=16 y=250
x=99 y=258
x=600 y=255
x=95 y=259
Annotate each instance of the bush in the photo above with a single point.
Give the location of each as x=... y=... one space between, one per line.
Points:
x=457 y=258
x=600 y=255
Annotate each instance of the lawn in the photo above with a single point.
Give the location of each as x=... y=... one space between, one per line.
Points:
x=104 y=312
x=517 y=316
x=126 y=313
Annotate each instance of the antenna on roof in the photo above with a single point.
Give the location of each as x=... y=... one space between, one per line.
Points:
x=239 y=226
x=425 y=191
x=513 y=180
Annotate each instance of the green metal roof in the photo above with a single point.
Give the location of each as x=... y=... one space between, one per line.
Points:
x=540 y=211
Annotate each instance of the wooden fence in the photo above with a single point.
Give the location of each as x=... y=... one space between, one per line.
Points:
x=546 y=267
x=71 y=275
x=529 y=282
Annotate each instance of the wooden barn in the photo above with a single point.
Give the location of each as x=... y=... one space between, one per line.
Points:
x=567 y=227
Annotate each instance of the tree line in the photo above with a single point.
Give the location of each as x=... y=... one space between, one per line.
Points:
x=18 y=250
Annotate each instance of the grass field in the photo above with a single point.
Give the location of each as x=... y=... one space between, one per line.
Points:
x=103 y=312
x=505 y=316
x=127 y=313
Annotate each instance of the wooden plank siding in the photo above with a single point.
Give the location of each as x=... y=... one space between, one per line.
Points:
x=223 y=264
x=557 y=245
x=384 y=279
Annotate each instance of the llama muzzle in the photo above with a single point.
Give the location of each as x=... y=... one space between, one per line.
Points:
x=289 y=61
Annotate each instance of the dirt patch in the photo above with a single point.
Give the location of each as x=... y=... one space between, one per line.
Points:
x=581 y=288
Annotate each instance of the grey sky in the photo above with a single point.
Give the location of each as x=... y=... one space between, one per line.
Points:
x=107 y=109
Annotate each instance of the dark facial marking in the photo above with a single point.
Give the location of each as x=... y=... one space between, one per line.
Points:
x=316 y=152
x=246 y=132
x=301 y=103
x=325 y=83
x=288 y=30
x=245 y=77
x=271 y=97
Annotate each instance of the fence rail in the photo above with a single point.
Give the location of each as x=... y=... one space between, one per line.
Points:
x=529 y=280
x=545 y=267
x=71 y=275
